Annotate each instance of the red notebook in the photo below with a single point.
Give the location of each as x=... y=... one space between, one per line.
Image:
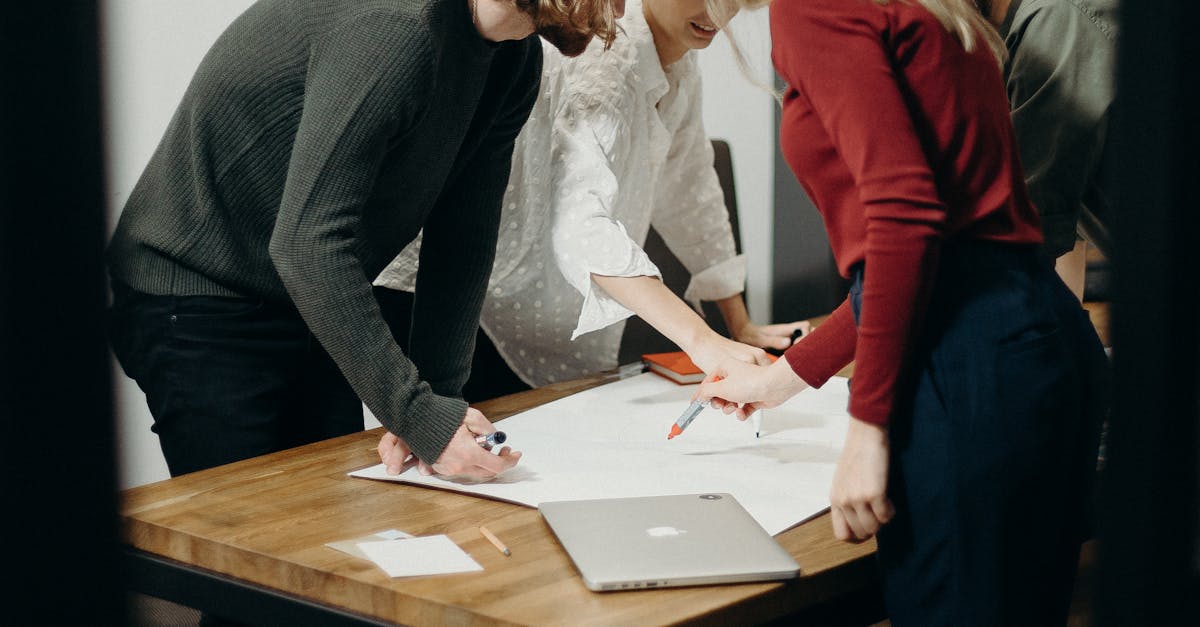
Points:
x=676 y=366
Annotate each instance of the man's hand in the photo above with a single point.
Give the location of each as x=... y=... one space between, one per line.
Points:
x=465 y=460
x=395 y=454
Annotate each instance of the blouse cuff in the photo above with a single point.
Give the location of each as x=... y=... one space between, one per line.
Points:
x=599 y=309
x=722 y=280
x=401 y=273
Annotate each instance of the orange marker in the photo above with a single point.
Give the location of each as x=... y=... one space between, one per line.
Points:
x=688 y=416
x=686 y=419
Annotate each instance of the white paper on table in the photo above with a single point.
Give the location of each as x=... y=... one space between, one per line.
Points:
x=427 y=555
x=350 y=547
x=611 y=441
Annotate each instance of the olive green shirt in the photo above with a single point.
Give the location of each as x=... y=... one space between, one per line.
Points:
x=1061 y=79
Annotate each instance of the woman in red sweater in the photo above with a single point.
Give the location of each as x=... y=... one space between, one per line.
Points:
x=978 y=378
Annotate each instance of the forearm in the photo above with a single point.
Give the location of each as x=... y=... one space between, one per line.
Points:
x=653 y=302
x=733 y=311
x=457 y=252
x=341 y=312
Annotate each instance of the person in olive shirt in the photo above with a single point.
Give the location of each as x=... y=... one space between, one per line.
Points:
x=1061 y=80
x=314 y=141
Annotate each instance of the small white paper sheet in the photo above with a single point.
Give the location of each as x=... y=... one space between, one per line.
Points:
x=427 y=555
x=350 y=547
x=611 y=441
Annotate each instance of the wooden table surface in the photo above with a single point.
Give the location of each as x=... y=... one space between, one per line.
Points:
x=266 y=520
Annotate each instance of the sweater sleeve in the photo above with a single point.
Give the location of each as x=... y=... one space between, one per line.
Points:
x=458 y=244
x=825 y=351
x=1060 y=82
x=841 y=64
x=355 y=100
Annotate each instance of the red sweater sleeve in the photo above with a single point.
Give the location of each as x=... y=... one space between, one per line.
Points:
x=825 y=351
x=837 y=59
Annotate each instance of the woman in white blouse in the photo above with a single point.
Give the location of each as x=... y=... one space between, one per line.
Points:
x=614 y=145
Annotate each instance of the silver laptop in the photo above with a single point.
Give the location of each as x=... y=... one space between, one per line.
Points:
x=663 y=541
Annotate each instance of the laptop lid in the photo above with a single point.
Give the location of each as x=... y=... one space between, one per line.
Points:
x=665 y=541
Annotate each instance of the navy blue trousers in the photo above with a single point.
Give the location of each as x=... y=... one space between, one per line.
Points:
x=993 y=445
x=228 y=378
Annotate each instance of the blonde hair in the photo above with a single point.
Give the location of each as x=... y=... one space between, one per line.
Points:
x=722 y=12
x=963 y=18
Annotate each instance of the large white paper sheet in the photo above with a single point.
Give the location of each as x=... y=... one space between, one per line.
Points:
x=611 y=441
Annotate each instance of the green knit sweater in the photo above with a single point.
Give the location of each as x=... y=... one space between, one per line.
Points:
x=315 y=140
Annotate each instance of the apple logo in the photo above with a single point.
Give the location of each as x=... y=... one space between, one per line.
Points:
x=664 y=532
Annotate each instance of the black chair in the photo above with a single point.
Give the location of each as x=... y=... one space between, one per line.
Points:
x=641 y=338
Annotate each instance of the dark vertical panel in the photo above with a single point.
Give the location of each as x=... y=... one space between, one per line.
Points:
x=639 y=338
x=56 y=423
x=1148 y=530
x=805 y=282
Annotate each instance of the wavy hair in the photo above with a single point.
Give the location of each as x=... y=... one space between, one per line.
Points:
x=570 y=24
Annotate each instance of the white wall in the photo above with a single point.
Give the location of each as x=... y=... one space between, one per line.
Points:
x=742 y=113
x=152 y=47
x=150 y=50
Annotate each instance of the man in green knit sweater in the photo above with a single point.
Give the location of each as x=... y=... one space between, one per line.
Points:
x=313 y=143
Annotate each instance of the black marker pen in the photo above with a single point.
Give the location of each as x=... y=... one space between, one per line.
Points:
x=491 y=439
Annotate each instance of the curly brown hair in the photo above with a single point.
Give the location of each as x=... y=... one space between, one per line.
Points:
x=569 y=25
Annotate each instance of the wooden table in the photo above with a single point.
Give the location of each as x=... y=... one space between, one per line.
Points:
x=246 y=540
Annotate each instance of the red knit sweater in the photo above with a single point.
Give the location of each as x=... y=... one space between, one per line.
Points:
x=902 y=139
